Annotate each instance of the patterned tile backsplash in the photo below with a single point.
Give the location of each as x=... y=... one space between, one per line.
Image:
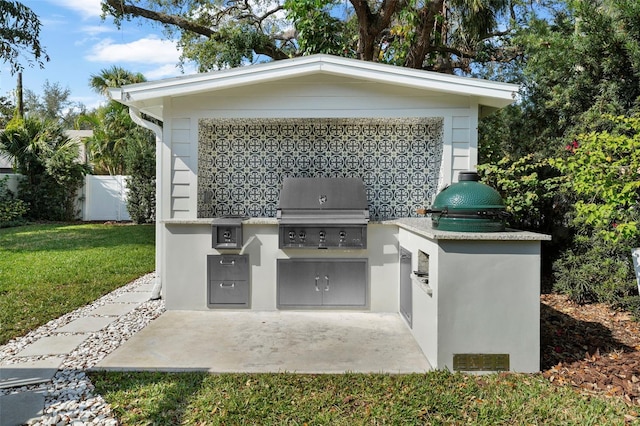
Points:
x=241 y=162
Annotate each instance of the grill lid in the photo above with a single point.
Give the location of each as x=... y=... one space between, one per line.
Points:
x=309 y=200
x=468 y=206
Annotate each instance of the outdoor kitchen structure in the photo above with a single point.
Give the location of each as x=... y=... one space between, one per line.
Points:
x=295 y=185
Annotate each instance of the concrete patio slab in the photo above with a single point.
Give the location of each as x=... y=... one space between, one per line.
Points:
x=114 y=309
x=18 y=409
x=304 y=342
x=133 y=297
x=86 y=324
x=53 y=345
x=144 y=287
x=28 y=373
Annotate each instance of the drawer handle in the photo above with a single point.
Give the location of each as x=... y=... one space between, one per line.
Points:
x=222 y=262
x=223 y=285
x=326 y=288
x=317 y=278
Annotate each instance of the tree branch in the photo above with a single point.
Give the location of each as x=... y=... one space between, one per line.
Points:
x=120 y=8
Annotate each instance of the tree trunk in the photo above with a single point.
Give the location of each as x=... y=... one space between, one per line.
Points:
x=425 y=29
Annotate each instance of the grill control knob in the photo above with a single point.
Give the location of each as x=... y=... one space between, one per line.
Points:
x=323 y=236
x=227 y=236
x=343 y=236
x=303 y=236
x=292 y=236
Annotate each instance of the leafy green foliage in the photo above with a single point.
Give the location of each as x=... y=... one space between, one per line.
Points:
x=602 y=173
x=49 y=162
x=603 y=170
x=53 y=105
x=579 y=65
x=141 y=166
x=594 y=270
x=50 y=270
x=19 y=32
x=318 y=31
x=529 y=189
x=12 y=209
x=437 y=35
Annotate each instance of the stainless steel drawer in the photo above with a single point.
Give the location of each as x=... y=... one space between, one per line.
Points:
x=229 y=267
x=227 y=293
x=228 y=283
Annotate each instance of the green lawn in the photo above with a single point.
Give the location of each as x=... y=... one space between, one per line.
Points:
x=49 y=270
x=436 y=398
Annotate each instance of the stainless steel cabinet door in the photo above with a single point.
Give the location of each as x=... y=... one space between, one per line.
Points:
x=322 y=283
x=406 y=298
x=344 y=283
x=298 y=283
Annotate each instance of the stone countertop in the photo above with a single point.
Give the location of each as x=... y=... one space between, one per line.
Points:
x=418 y=225
x=211 y=220
x=422 y=226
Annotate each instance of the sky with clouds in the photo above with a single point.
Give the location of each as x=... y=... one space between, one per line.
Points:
x=80 y=44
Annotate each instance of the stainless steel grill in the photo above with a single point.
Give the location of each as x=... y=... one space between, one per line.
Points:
x=323 y=213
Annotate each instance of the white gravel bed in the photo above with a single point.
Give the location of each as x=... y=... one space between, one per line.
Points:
x=69 y=397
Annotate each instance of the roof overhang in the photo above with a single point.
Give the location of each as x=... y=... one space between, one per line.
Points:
x=149 y=97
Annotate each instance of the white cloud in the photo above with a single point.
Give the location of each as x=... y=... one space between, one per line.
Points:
x=93 y=30
x=86 y=8
x=169 y=70
x=148 y=50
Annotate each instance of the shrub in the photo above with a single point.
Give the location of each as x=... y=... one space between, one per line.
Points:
x=12 y=210
x=48 y=160
x=140 y=157
x=602 y=172
x=596 y=271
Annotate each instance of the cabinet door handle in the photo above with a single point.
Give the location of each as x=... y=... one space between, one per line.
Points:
x=222 y=262
x=326 y=287
x=317 y=279
x=223 y=285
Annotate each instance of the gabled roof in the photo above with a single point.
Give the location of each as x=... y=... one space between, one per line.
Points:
x=148 y=97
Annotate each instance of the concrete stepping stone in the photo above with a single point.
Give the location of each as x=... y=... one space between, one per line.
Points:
x=114 y=309
x=28 y=373
x=53 y=345
x=17 y=409
x=86 y=324
x=133 y=297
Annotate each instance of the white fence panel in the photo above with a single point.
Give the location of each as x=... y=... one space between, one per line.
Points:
x=105 y=198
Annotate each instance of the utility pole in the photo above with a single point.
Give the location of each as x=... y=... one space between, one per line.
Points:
x=20 y=106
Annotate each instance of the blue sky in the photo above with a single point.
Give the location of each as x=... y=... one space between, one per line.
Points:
x=80 y=44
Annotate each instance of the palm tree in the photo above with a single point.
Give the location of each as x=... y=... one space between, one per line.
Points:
x=111 y=123
x=48 y=160
x=25 y=141
x=114 y=77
